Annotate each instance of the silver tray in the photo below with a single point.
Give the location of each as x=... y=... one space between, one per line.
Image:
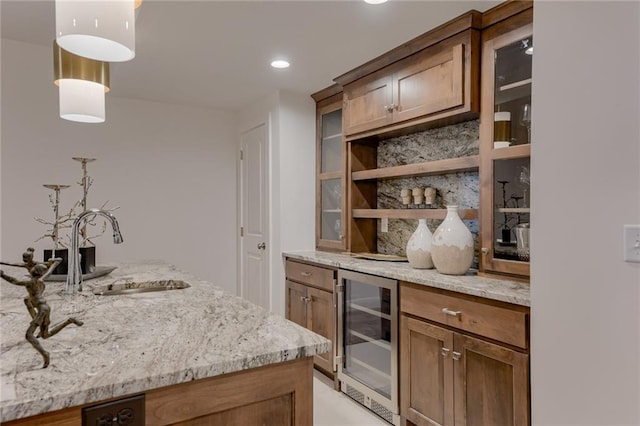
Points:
x=99 y=272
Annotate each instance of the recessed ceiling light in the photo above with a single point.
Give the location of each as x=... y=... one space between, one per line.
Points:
x=375 y=1
x=280 y=64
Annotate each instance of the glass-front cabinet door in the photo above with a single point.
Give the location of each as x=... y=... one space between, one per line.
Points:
x=505 y=181
x=330 y=157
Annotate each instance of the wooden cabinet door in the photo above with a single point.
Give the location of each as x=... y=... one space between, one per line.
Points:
x=296 y=310
x=426 y=370
x=320 y=319
x=428 y=83
x=367 y=102
x=491 y=384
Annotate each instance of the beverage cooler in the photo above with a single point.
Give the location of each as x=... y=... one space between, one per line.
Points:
x=368 y=342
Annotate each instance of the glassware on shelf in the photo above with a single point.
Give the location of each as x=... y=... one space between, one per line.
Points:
x=525 y=120
x=525 y=180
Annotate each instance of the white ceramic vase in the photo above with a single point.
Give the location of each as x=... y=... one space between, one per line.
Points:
x=452 y=246
x=419 y=247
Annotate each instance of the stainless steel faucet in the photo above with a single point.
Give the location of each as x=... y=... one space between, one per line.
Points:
x=74 y=274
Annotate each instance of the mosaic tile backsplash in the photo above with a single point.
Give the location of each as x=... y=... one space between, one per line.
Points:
x=459 y=140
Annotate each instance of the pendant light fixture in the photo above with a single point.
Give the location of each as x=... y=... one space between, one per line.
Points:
x=103 y=30
x=82 y=84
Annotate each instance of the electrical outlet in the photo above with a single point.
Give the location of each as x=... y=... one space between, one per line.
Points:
x=632 y=243
x=384 y=226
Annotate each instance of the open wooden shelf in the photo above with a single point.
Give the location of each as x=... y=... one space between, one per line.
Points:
x=526 y=81
x=514 y=151
x=467 y=214
x=452 y=165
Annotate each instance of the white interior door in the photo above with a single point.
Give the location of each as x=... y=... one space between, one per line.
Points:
x=254 y=263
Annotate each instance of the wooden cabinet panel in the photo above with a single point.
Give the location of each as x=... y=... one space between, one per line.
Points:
x=320 y=319
x=478 y=317
x=296 y=307
x=436 y=84
x=367 y=103
x=274 y=411
x=311 y=275
x=425 y=373
x=428 y=84
x=237 y=396
x=491 y=384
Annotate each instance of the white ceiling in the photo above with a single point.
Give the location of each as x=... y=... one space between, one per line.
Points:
x=216 y=54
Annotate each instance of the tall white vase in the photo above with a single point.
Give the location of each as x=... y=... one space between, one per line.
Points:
x=419 y=247
x=452 y=246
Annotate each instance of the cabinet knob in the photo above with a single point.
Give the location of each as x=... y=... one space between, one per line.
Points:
x=305 y=299
x=456 y=355
x=390 y=108
x=444 y=352
x=262 y=246
x=484 y=250
x=305 y=274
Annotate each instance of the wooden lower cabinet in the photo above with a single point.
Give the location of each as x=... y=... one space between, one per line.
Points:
x=310 y=302
x=491 y=383
x=449 y=378
x=313 y=309
x=278 y=394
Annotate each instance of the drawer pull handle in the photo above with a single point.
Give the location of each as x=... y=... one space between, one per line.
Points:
x=448 y=311
x=456 y=355
x=305 y=274
x=444 y=352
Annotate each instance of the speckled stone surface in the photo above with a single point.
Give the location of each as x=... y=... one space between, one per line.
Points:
x=503 y=290
x=133 y=343
x=458 y=140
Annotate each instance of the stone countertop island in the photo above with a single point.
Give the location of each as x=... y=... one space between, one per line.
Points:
x=131 y=344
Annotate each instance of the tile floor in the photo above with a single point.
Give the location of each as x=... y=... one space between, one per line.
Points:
x=331 y=408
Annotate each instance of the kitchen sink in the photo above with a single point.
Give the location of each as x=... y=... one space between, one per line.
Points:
x=139 y=287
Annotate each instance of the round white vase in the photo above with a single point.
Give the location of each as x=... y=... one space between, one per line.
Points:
x=452 y=246
x=419 y=247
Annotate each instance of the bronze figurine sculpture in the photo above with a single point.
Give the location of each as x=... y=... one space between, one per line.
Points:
x=36 y=304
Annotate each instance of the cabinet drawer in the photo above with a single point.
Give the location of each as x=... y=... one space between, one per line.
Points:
x=311 y=275
x=484 y=319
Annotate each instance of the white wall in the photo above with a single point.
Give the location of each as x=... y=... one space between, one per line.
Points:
x=585 y=186
x=170 y=168
x=290 y=121
x=297 y=171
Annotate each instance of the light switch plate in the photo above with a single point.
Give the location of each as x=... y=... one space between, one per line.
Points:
x=384 y=226
x=632 y=243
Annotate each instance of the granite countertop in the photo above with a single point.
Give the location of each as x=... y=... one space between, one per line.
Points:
x=133 y=343
x=496 y=289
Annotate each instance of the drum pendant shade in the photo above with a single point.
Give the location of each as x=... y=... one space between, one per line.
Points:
x=103 y=30
x=82 y=101
x=82 y=86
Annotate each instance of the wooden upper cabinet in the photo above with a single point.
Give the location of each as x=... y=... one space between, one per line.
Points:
x=437 y=85
x=367 y=103
x=330 y=170
x=429 y=83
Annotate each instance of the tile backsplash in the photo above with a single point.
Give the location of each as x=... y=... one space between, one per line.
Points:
x=459 y=140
